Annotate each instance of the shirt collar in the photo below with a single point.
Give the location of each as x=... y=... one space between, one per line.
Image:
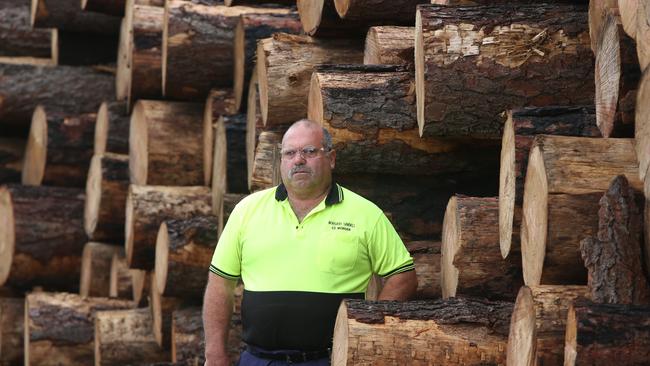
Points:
x=334 y=196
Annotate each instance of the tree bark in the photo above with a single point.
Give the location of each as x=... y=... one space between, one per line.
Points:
x=538 y=324
x=106 y=190
x=68 y=15
x=511 y=55
x=125 y=337
x=565 y=179
x=11 y=159
x=458 y=331
x=167 y=144
x=42 y=236
x=376 y=12
x=229 y=173
x=284 y=67
x=162 y=309
x=251 y=28
x=370 y=112
x=112 y=128
x=121 y=284
x=265 y=172
x=147 y=207
x=471 y=261
x=19 y=40
x=184 y=250
x=613 y=257
x=96 y=262
x=607 y=334
x=520 y=128
x=389 y=45
x=12 y=321
x=59 y=327
x=24 y=87
x=146 y=54
x=109 y=7
x=319 y=19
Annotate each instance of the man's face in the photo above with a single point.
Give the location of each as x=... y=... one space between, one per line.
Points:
x=300 y=173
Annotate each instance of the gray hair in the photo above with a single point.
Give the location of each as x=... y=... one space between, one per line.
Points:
x=327 y=137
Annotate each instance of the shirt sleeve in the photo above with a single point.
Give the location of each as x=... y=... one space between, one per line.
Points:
x=226 y=260
x=388 y=254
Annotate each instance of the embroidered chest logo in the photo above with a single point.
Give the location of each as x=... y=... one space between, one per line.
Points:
x=339 y=225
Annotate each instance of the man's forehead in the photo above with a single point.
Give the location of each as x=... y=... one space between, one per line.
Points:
x=302 y=134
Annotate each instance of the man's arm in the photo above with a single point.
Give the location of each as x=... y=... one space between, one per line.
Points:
x=401 y=286
x=217 y=310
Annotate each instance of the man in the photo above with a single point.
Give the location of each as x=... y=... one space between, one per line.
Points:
x=300 y=248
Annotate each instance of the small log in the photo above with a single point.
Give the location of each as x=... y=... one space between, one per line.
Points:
x=377 y=12
x=59 y=327
x=520 y=128
x=11 y=159
x=149 y=206
x=219 y=102
x=146 y=54
x=68 y=15
x=251 y=28
x=613 y=257
x=106 y=189
x=12 y=321
x=284 y=67
x=184 y=249
x=110 y=7
x=112 y=128
x=41 y=236
x=121 y=284
x=471 y=261
x=229 y=172
x=538 y=324
x=389 y=45
x=230 y=200
x=458 y=331
x=565 y=179
x=512 y=55
x=208 y=33
x=607 y=334
x=123 y=67
x=319 y=19
x=162 y=309
x=125 y=337
x=167 y=144
x=141 y=282
x=370 y=112
x=266 y=167
x=20 y=41
x=96 y=261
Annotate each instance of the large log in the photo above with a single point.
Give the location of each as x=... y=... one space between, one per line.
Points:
x=120 y=282
x=613 y=257
x=68 y=15
x=20 y=41
x=184 y=250
x=162 y=309
x=251 y=28
x=206 y=32
x=319 y=19
x=106 y=189
x=167 y=144
x=112 y=128
x=23 y=87
x=538 y=324
x=284 y=67
x=501 y=56
x=471 y=261
x=370 y=112
x=11 y=159
x=229 y=172
x=455 y=331
x=389 y=45
x=520 y=128
x=565 y=178
x=96 y=261
x=266 y=168
x=607 y=334
x=41 y=236
x=377 y=12
x=149 y=206
x=125 y=337
x=145 y=81
x=12 y=321
x=59 y=327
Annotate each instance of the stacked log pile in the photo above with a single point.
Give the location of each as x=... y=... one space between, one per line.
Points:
x=171 y=131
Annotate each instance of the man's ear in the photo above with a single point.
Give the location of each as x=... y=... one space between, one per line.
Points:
x=332 y=154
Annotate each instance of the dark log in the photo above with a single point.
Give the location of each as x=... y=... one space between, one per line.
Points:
x=112 y=128
x=229 y=173
x=68 y=15
x=145 y=81
x=19 y=40
x=96 y=261
x=90 y=49
x=389 y=45
x=12 y=321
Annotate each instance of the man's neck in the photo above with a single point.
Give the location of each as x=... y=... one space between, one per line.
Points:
x=303 y=204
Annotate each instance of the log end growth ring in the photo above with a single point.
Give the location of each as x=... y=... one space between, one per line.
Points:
x=507 y=181
x=607 y=75
x=450 y=237
x=535 y=219
x=521 y=339
x=340 y=339
x=138 y=145
x=419 y=71
x=162 y=258
x=7 y=234
x=36 y=150
x=310 y=12
x=93 y=195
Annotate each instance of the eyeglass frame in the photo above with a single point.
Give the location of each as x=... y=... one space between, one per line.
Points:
x=302 y=152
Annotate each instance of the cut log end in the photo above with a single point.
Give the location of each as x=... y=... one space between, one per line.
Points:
x=239 y=62
x=507 y=187
x=252 y=118
x=628 y=11
x=641 y=123
x=86 y=270
x=310 y=14
x=315 y=109
x=93 y=195
x=156 y=311
x=138 y=283
x=123 y=72
x=219 y=169
x=419 y=71
x=7 y=234
x=450 y=237
x=342 y=7
x=120 y=283
x=162 y=258
x=340 y=341
x=34 y=12
x=262 y=82
x=128 y=228
x=138 y=143
x=101 y=129
x=521 y=340
x=208 y=142
x=36 y=150
x=570 y=338
x=607 y=75
x=535 y=219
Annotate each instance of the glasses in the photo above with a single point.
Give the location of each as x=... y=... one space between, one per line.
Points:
x=307 y=152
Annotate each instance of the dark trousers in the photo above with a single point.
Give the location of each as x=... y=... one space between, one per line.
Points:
x=248 y=359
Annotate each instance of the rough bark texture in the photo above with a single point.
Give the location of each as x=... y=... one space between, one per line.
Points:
x=501 y=56
x=471 y=262
x=112 y=128
x=265 y=172
x=319 y=19
x=68 y=15
x=146 y=54
x=23 y=87
x=59 y=327
x=458 y=331
x=96 y=262
x=613 y=257
x=229 y=173
x=607 y=334
x=389 y=45
x=11 y=159
x=12 y=321
x=121 y=284
x=284 y=67
x=48 y=236
x=18 y=37
x=148 y=206
x=370 y=112
x=110 y=7
x=376 y=12
x=125 y=337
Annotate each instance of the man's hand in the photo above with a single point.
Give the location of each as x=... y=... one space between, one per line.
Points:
x=401 y=286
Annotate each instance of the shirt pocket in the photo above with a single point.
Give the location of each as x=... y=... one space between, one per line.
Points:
x=337 y=253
